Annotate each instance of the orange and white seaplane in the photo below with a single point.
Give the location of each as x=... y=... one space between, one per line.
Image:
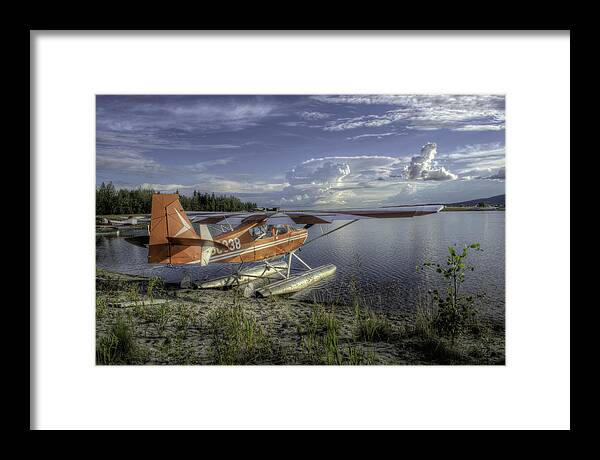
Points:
x=259 y=236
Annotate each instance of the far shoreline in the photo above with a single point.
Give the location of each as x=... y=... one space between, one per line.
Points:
x=474 y=208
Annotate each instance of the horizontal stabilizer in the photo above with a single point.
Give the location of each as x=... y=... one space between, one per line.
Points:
x=141 y=241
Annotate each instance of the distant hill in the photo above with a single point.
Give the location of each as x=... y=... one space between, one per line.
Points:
x=498 y=200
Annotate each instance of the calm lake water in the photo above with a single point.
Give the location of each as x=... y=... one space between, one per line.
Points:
x=380 y=255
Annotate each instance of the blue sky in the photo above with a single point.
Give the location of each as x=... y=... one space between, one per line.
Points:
x=317 y=151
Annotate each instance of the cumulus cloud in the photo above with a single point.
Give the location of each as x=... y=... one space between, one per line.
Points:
x=334 y=179
x=315 y=181
x=366 y=178
x=424 y=166
x=340 y=179
x=327 y=173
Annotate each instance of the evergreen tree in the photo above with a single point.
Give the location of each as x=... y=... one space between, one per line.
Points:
x=139 y=201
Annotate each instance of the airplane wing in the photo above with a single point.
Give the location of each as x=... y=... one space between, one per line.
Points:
x=314 y=217
x=328 y=216
x=224 y=217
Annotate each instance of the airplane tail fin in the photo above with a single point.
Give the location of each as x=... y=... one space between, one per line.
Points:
x=173 y=239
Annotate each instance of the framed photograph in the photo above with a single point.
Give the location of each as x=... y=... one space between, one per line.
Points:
x=284 y=220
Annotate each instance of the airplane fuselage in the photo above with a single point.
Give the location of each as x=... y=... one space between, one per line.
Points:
x=243 y=246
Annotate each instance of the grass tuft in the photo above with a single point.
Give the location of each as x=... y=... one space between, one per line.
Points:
x=424 y=325
x=373 y=327
x=118 y=345
x=155 y=287
x=101 y=307
x=237 y=338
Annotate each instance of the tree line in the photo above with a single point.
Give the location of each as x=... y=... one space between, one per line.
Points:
x=109 y=200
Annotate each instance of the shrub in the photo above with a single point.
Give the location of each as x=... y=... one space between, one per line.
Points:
x=454 y=312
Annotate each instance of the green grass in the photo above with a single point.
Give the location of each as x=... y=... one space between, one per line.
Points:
x=133 y=292
x=424 y=322
x=317 y=322
x=372 y=327
x=320 y=341
x=319 y=337
x=101 y=307
x=155 y=287
x=354 y=356
x=333 y=353
x=118 y=345
x=236 y=337
x=185 y=317
x=159 y=317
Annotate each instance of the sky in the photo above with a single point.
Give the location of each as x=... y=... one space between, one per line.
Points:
x=306 y=151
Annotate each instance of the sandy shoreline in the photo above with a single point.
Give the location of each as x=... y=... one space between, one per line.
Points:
x=192 y=326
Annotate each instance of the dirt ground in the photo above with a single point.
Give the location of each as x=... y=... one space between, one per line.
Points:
x=141 y=321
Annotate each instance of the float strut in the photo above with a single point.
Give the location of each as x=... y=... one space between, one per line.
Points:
x=293 y=254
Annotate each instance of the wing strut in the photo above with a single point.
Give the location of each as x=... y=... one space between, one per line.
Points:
x=328 y=233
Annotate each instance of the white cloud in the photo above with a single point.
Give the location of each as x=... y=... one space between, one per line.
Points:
x=342 y=180
x=349 y=180
x=334 y=180
x=162 y=187
x=480 y=127
x=455 y=112
x=479 y=160
x=172 y=123
x=314 y=115
x=498 y=174
x=130 y=161
x=367 y=121
x=424 y=166
x=204 y=165
x=324 y=174
x=376 y=135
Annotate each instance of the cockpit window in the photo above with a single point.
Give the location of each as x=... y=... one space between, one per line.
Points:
x=266 y=231
x=259 y=232
x=276 y=229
